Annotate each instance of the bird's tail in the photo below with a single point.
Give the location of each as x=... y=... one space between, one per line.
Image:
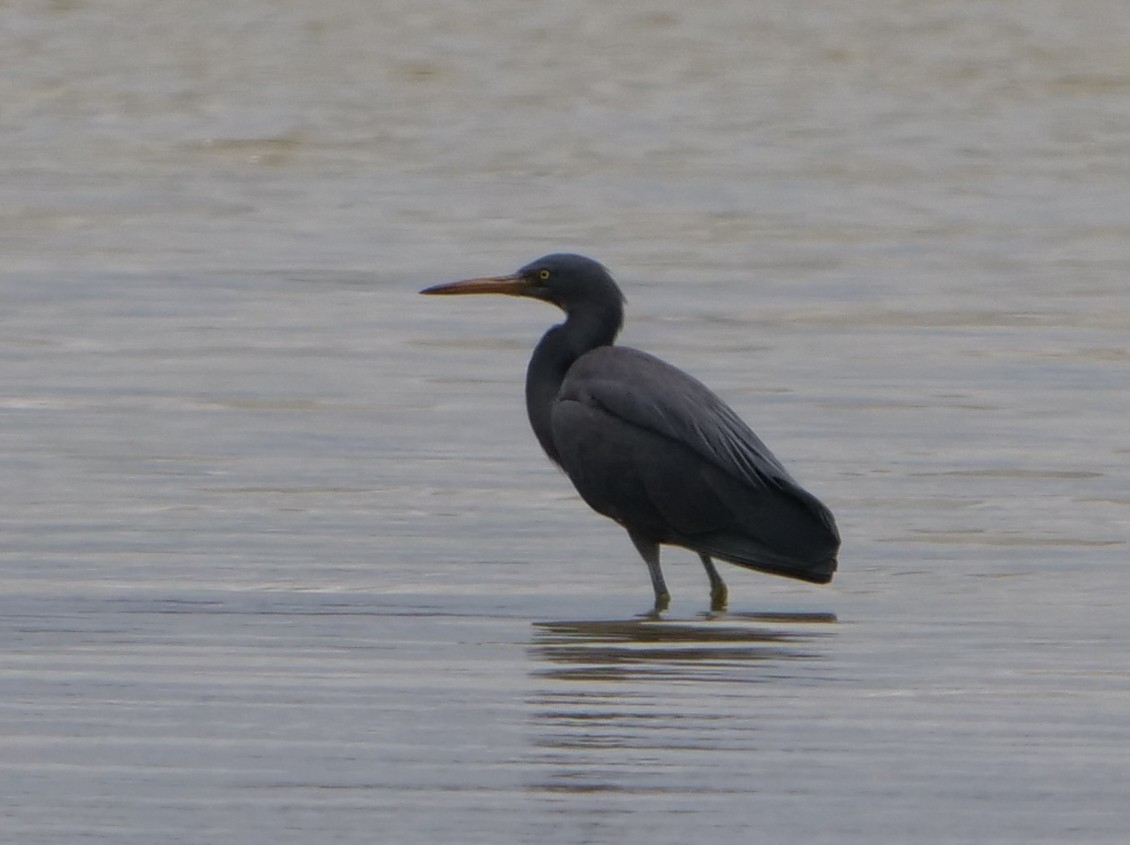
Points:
x=740 y=550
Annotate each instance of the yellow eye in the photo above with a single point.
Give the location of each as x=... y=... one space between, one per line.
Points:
x=543 y=275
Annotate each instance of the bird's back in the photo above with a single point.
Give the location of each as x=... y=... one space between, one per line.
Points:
x=656 y=450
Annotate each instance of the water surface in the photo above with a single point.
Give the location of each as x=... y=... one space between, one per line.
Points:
x=281 y=560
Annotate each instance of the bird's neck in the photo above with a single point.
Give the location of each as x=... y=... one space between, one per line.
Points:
x=552 y=358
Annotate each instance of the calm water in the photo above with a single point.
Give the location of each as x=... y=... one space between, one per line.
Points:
x=282 y=562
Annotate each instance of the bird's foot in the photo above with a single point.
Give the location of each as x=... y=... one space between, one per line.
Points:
x=719 y=597
x=718 y=591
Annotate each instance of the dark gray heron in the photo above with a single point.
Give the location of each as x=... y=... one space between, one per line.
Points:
x=652 y=448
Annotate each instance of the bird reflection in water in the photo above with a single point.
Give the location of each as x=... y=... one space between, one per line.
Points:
x=650 y=708
x=649 y=647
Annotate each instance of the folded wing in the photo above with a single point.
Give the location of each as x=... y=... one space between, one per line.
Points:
x=655 y=449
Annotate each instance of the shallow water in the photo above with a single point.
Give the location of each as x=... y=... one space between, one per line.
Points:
x=281 y=559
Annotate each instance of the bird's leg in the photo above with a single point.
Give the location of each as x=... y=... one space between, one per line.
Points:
x=649 y=551
x=718 y=592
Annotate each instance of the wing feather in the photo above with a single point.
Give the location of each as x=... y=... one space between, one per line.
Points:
x=647 y=392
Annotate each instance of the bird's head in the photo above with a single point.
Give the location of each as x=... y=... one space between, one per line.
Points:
x=571 y=282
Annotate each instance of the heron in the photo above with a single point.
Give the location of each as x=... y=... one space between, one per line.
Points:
x=650 y=446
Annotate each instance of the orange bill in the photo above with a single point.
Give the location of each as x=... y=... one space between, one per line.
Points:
x=511 y=285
